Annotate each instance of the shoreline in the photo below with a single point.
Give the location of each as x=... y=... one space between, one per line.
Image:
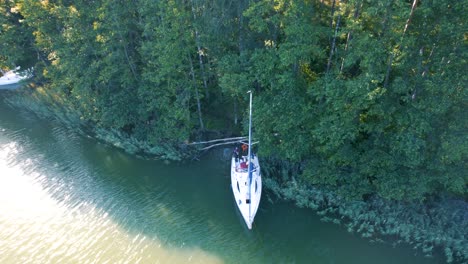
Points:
x=437 y=225
x=10 y=87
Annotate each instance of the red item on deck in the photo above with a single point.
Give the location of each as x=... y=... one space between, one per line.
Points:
x=243 y=165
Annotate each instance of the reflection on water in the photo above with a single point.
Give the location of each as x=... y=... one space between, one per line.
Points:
x=65 y=198
x=35 y=228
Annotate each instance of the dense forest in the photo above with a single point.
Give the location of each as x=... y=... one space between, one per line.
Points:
x=364 y=97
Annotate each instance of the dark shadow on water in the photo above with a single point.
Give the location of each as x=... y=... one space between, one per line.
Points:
x=187 y=204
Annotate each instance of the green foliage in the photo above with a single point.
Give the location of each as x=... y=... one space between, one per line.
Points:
x=16 y=38
x=367 y=97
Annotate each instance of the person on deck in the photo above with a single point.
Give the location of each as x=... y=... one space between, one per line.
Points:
x=244 y=149
x=236 y=154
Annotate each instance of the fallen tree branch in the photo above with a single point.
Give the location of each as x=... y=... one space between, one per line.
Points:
x=244 y=142
x=226 y=143
x=219 y=144
x=217 y=140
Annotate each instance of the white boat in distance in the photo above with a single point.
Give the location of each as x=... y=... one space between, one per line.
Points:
x=14 y=77
x=246 y=179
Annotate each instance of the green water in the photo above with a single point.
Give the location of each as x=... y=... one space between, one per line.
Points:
x=66 y=198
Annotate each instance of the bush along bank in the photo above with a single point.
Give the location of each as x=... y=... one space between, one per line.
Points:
x=440 y=223
x=51 y=106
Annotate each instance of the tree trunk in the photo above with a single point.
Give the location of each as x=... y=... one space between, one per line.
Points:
x=332 y=13
x=333 y=44
x=423 y=69
x=413 y=7
x=389 y=69
x=235 y=112
x=349 y=36
x=385 y=21
x=241 y=21
x=392 y=55
x=200 y=58
x=127 y=57
x=197 y=95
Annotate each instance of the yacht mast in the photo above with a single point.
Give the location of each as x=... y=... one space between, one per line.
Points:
x=250 y=157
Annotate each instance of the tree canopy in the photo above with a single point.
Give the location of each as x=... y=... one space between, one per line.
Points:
x=366 y=97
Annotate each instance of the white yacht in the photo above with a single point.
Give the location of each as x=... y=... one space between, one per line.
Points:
x=246 y=179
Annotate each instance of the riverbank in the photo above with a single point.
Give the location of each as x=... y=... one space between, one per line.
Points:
x=438 y=224
x=39 y=101
x=10 y=86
